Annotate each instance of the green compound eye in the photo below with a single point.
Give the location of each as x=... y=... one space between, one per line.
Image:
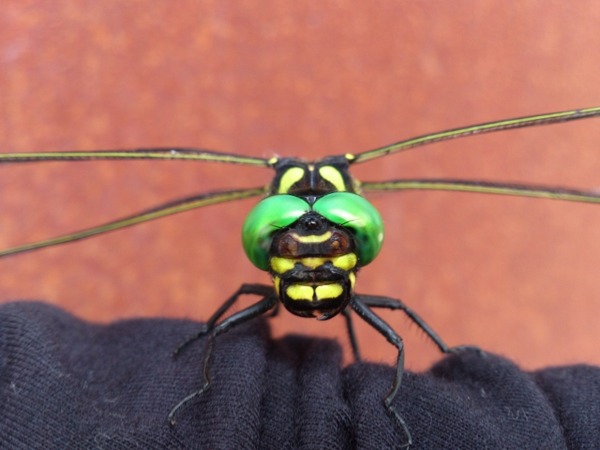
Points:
x=359 y=215
x=271 y=214
x=342 y=208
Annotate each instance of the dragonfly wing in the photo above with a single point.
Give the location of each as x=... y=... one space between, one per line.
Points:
x=167 y=209
x=484 y=187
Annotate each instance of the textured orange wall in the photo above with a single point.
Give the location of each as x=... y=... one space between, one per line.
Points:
x=515 y=276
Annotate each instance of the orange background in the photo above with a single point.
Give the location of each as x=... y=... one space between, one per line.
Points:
x=514 y=276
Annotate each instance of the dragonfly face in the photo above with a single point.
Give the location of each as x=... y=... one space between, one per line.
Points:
x=313 y=264
x=312 y=234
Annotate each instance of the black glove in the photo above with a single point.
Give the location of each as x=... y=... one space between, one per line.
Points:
x=68 y=384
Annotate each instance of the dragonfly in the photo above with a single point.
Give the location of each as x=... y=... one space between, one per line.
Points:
x=312 y=231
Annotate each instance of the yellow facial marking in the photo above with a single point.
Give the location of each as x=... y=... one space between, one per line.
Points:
x=334 y=176
x=291 y=176
x=281 y=265
x=326 y=291
x=352 y=278
x=312 y=238
x=303 y=292
x=313 y=262
x=345 y=262
x=276 y=282
x=300 y=292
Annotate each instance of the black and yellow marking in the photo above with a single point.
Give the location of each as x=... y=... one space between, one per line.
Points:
x=312 y=238
x=314 y=292
x=289 y=179
x=281 y=265
x=334 y=176
x=297 y=177
x=352 y=278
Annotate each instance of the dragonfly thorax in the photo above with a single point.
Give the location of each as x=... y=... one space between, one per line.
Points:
x=312 y=179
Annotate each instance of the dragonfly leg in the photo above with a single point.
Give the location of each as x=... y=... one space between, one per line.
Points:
x=268 y=301
x=347 y=312
x=375 y=301
x=393 y=338
x=261 y=290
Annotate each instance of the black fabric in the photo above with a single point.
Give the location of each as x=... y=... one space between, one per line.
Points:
x=68 y=384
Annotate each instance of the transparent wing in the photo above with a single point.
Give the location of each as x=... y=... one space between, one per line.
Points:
x=484 y=187
x=521 y=122
x=167 y=209
x=189 y=154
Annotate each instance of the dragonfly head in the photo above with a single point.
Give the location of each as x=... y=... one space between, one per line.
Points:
x=313 y=250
